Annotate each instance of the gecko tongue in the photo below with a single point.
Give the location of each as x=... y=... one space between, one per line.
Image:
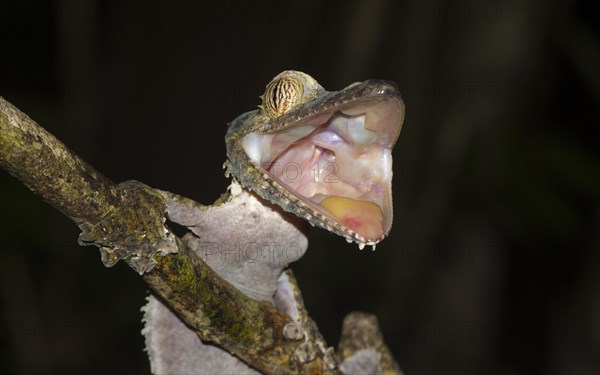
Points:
x=363 y=217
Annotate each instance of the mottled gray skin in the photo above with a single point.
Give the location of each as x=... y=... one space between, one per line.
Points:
x=255 y=178
x=248 y=242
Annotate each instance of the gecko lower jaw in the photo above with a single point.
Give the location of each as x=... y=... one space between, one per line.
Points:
x=339 y=163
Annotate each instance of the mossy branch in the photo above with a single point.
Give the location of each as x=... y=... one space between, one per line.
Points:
x=126 y=221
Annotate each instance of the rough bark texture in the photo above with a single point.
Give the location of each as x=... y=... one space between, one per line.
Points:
x=362 y=348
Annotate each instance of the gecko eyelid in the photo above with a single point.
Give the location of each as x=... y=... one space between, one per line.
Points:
x=281 y=95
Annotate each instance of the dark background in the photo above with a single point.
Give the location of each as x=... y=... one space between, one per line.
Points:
x=492 y=264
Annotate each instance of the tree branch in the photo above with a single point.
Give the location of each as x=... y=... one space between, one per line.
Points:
x=126 y=221
x=49 y=169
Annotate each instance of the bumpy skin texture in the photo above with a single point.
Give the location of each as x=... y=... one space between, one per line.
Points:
x=255 y=178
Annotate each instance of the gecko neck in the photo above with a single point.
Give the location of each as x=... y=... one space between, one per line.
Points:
x=246 y=240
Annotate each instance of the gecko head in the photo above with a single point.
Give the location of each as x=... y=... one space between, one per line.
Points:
x=325 y=156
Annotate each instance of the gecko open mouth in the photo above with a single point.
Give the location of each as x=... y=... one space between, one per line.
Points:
x=338 y=162
x=324 y=156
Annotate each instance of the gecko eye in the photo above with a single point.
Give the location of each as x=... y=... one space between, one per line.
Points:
x=281 y=95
